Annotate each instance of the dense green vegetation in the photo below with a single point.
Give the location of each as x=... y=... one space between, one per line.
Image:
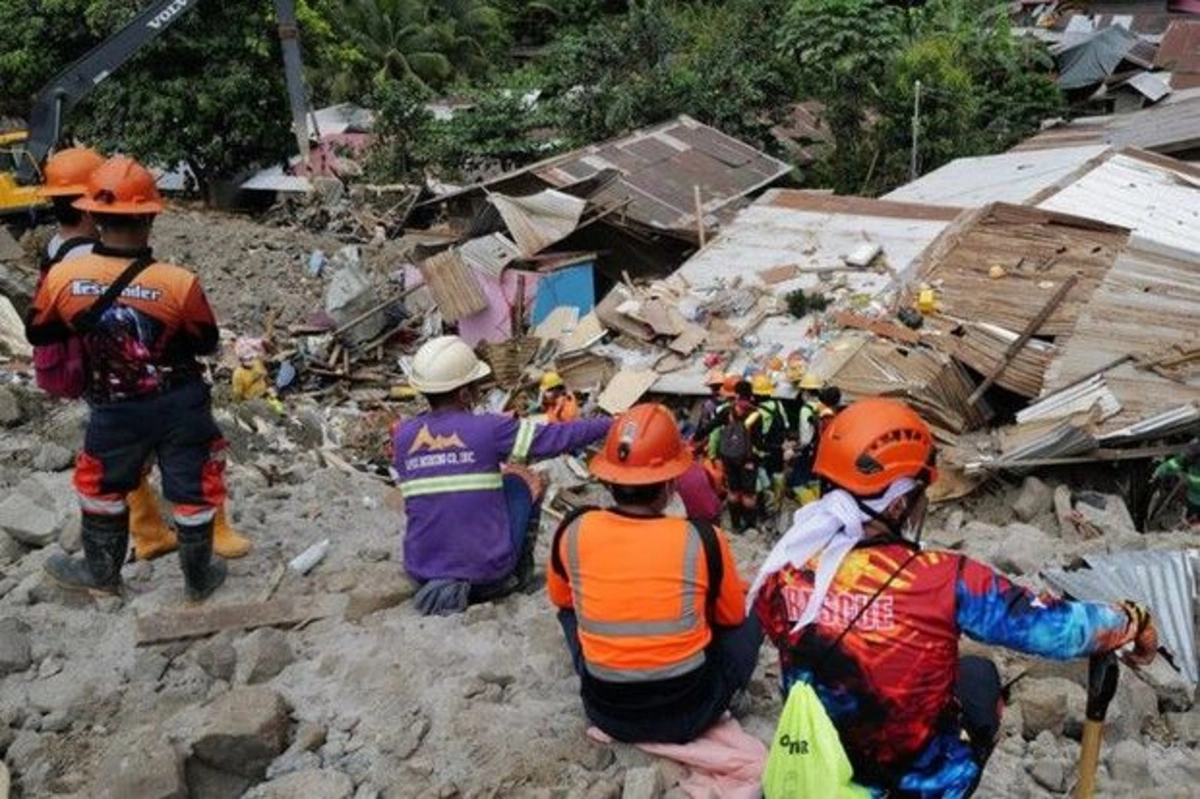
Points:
x=544 y=75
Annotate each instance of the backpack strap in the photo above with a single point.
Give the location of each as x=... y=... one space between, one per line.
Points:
x=91 y=316
x=568 y=520
x=716 y=567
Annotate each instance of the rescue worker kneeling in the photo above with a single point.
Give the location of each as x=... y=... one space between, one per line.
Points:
x=652 y=607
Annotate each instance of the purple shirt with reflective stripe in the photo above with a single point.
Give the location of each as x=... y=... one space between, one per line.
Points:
x=456 y=533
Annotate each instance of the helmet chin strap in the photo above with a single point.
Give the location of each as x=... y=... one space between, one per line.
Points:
x=897 y=526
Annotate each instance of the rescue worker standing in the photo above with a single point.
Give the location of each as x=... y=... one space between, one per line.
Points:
x=558 y=403
x=736 y=441
x=1185 y=467
x=872 y=621
x=775 y=431
x=715 y=399
x=146 y=390
x=470 y=529
x=651 y=606
x=808 y=427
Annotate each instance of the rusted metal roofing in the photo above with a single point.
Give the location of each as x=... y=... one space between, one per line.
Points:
x=657 y=172
x=1145 y=307
x=1172 y=125
x=1179 y=51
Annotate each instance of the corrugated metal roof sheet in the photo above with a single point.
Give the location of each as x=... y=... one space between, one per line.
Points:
x=813 y=232
x=539 y=220
x=1158 y=198
x=1009 y=177
x=490 y=253
x=1180 y=47
x=659 y=169
x=1166 y=582
x=1170 y=126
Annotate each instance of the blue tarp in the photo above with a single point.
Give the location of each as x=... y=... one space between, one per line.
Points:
x=573 y=286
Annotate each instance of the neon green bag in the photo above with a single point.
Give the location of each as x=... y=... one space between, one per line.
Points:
x=806 y=757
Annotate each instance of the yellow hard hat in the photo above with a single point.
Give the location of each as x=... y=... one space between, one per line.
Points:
x=762 y=385
x=810 y=382
x=551 y=380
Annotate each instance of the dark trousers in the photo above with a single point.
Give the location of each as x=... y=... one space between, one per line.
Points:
x=732 y=656
x=979 y=697
x=523 y=515
x=176 y=428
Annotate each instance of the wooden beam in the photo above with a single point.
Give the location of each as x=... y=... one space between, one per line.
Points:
x=1034 y=325
x=184 y=622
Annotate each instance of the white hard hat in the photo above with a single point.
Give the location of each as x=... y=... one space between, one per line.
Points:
x=444 y=364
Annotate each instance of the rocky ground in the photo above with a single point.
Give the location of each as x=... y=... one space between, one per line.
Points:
x=366 y=698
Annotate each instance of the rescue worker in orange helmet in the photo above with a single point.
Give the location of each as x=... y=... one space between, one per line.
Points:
x=146 y=390
x=651 y=606
x=715 y=380
x=860 y=612
x=66 y=180
x=558 y=403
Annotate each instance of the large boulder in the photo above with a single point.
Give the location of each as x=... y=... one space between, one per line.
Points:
x=144 y=765
x=242 y=732
x=1049 y=704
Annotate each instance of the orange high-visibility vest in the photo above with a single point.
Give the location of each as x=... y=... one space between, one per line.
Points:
x=639 y=590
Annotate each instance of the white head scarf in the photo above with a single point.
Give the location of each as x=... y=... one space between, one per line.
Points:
x=827 y=529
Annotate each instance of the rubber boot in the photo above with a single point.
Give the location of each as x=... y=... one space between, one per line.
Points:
x=105 y=541
x=201 y=574
x=152 y=537
x=228 y=542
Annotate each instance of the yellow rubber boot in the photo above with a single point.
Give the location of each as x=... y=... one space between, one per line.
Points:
x=228 y=542
x=152 y=537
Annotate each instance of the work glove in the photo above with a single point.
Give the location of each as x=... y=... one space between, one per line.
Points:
x=1145 y=638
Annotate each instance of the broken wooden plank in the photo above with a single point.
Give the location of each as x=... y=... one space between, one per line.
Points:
x=1026 y=334
x=179 y=623
x=879 y=327
x=779 y=274
x=692 y=337
x=625 y=389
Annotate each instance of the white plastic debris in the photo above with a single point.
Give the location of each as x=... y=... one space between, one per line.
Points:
x=306 y=560
x=863 y=255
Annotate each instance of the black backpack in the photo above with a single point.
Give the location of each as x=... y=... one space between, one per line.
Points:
x=734 y=442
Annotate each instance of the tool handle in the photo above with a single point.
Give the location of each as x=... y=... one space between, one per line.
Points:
x=1089 y=759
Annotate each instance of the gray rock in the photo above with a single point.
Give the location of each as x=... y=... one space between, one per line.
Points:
x=1051 y=774
x=366 y=791
x=403 y=742
x=1034 y=499
x=10 y=549
x=14 y=646
x=1129 y=762
x=58 y=721
x=1134 y=705
x=1185 y=727
x=309 y=736
x=605 y=789
x=293 y=760
x=28 y=522
x=206 y=782
x=1048 y=703
x=52 y=457
x=10 y=408
x=27 y=748
x=70 y=537
x=643 y=783
x=7 y=735
x=242 y=732
x=311 y=784
x=378 y=595
x=264 y=653
x=147 y=767
x=218 y=658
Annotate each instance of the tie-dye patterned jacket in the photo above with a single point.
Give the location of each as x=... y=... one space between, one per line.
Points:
x=889 y=684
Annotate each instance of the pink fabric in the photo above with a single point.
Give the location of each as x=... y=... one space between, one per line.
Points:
x=725 y=762
x=493 y=323
x=696 y=491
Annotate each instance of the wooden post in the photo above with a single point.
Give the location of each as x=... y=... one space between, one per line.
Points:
x=699 y=215
x=518 y=309
x=1034 y=325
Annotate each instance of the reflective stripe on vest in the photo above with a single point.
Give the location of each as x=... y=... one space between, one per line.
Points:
x=450 y=484
x=523 y=441
x=687 y=620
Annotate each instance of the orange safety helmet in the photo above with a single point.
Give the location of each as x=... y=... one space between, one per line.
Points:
x=67 y=172
x=729 y=385
x=714 y=378
x=121 y=186
x=643 y=447
x=872 y=443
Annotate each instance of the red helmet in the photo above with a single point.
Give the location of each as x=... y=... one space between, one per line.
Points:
x=643 y=447
x=121 y=186
x=871 y=444
x=67 y=172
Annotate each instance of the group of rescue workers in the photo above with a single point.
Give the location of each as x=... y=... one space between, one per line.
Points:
x=661 y=627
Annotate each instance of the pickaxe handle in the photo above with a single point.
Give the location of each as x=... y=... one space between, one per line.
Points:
x=1102 y=685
